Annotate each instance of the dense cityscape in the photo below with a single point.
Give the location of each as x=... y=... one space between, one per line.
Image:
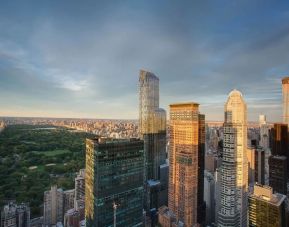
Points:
x=147 y=113
x=181 y=171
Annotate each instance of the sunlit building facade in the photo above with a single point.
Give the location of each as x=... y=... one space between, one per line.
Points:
x=186 y=174
x=152 y=129
x=234 y=167
x=285 y=94
x=114 y=175
x=265 y=208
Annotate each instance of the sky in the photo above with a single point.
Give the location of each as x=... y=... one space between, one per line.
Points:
x=82 y=58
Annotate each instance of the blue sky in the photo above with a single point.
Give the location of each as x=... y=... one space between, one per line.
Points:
x=82 y=58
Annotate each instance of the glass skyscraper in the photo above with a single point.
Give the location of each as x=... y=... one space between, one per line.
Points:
x=114 y=176
x=234 y=167
x=152 y=129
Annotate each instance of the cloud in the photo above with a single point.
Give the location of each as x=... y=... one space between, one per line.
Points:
x=85 y=60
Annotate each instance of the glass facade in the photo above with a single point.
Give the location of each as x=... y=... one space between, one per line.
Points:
x=115 y=171
x=152 y=129
x=265 y=208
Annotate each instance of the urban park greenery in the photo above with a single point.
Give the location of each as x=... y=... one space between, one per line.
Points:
x=33 y=157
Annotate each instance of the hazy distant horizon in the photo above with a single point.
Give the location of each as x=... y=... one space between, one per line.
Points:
x=112 y=119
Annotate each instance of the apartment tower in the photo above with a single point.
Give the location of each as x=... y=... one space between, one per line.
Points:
x=152 y=129
x=186 y=176
x=285 y=94
x=234 y=166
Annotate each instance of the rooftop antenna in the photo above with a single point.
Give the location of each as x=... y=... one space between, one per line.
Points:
x=114 y=206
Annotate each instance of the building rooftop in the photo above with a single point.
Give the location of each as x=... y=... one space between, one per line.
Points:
x=185 y=104
x=153 y=182
x=235 y=92
x=146 y=73
x=285 y=80
x=279 y=157
x=265 y=193
x=109 y=140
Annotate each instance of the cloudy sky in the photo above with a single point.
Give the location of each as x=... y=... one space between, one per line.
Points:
x=82 y=58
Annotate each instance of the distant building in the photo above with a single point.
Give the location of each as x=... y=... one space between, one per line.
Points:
x=68 y=200
x=280 y=141
x=234 y=168
x=209 y=197
x=80 y=185
x=256 y=165
x=259 y=165
x=13 y=215
x=79 y=198
x=210 y=162
x=72 y=218
x=53 y=206
x=265 y=208
x=167 y=218
x=152 y=128
x=278 y=173
x=285 y=95
x=264 y=132
x=186 y=178
x=114 y=182
x=36 y=222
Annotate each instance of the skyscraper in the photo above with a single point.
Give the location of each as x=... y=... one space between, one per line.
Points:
x=278 y=169
x=265 y=208
x=152 y=128
x=114 y=182
x=186 y=177
x=278 y=174
x=264 y=132
x=234 y=167
x=256 y=165
x=209 y=196
x=79 y=183
x=285 y=94
x=280 y=139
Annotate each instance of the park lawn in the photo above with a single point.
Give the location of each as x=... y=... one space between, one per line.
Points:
x=52 y=153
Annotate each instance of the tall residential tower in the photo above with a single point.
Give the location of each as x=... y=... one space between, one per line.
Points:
x=152 y=128
x=186 y=177
x=285 y=94
x=234 y=167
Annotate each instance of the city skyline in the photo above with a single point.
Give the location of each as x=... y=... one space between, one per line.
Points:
x=75 y=60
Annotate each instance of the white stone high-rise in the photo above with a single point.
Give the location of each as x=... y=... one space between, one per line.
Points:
x=234 y=168
x=264 y=132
